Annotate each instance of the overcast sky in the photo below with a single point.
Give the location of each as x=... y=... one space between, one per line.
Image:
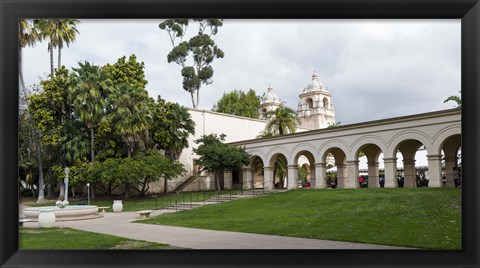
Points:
x=374 y=68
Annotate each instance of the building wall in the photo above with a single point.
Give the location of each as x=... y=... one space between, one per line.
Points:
x=207 y=122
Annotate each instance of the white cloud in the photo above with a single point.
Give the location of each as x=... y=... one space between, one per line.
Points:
x=374 y=68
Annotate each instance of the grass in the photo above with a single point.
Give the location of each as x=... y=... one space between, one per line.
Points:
x=66 y=238
x=141 y=203
x=421 y=218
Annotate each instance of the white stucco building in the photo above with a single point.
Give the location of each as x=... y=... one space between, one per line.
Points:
x=388 y=145
x=238 y=128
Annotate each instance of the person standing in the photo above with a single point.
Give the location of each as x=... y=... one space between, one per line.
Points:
x=382 y=182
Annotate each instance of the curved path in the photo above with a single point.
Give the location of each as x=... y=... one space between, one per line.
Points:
x=120 y=224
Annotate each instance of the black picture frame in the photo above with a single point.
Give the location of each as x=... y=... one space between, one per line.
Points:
x=466 y=10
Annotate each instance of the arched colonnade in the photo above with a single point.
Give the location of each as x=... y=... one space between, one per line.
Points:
x=438 y=132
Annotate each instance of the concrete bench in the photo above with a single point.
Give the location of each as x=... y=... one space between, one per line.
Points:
x=144 y=213
x=103 y=209
x=21 y=221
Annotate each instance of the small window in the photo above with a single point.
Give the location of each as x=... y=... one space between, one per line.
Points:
x=310 y=103
x=325 y=103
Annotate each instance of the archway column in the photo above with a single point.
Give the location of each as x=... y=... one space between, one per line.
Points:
x=292 y=177
x=268 y=178
x=341 y=172
x=352 y=174
x=390 y=172
x=227 y=180
x=313 y=176
x=409 y=173
x=450 y=162
x=247 y=178
x=435 y=170
x=320 y=176
x=373 y=174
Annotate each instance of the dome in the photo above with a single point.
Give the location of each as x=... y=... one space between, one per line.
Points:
x=270 y=96
x=315 y=85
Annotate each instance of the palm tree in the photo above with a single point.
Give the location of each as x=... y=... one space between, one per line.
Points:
x=58 y=32
x=334 y=124
x=180 y=128
x=282 y=121
x=87 y=98
x=28 y=36
x=456 y=99
x=129 y=117
x=280 y=170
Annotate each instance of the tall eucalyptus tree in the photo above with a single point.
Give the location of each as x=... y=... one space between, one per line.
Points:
x=201 y=49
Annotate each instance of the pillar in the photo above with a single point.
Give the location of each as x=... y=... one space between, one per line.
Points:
x=390 y=172
x=227 y=180
x=341 y=179
x=373 y=174
x=247 y=178
x=450 y=162
x=292 y=171
x=352 y=174
x=313 y=176
x=268 y=178
x=320 y=176
x=409 y=173
x=435 y=170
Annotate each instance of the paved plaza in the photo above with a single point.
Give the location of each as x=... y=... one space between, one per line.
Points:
x=121 y=224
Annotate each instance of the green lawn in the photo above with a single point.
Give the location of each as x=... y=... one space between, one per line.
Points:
x=65 y=238
x=421 y=218
x=141 y=203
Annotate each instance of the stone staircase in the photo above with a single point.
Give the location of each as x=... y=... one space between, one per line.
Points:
x=184 y=183
x=179 y=206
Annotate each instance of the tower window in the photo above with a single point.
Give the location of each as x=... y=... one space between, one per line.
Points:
x=325 y=103
x=310 y=103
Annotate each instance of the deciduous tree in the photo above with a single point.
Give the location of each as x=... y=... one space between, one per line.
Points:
x=216 y=156
x=238 y=103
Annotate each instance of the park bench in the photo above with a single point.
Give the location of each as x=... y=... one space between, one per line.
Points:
x=22 y=220
x=144 y=213
x=103 y=209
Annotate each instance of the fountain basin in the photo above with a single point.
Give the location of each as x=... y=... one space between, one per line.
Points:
x=66 y=212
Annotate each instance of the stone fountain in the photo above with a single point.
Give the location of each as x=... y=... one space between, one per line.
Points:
x=62 y=210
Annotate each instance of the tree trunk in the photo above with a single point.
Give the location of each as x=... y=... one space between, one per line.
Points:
x=92 y=191
x=41 y=180
x=51 y=59
x=60 y=55
x=127 y=188
x=217 y=180
x=91 y=145
x=51 y=191
x=198 y=97
x=193 y=100
x=165 y=190
x=20 y=71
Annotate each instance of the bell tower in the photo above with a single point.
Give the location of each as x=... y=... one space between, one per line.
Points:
x=268 y=102
x=315 y=109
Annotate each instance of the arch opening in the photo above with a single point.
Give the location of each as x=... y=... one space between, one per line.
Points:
x=279 y=176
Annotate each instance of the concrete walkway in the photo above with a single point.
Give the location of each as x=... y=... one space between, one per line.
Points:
x=120 y=224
